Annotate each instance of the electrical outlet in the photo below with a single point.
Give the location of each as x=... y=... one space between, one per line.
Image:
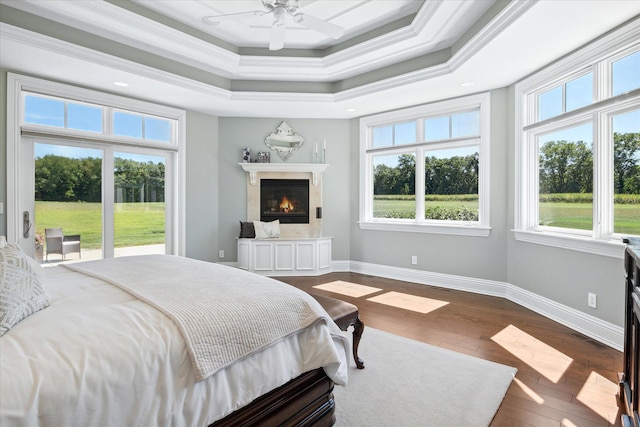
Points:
x=592 y=300
x=414 y=260
x=220 y=253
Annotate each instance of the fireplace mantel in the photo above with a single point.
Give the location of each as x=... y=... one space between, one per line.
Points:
x=316 y=169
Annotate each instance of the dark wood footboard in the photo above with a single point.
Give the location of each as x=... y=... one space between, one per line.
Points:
x=304 y=401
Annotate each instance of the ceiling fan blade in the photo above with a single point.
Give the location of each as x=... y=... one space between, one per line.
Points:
x=216 y=19
x=324 y=27
x=277 y=37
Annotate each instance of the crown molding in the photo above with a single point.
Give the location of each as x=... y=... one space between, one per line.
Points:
x=139 y=32
x=37 y=40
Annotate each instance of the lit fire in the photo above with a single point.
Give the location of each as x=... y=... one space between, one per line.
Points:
x=286 y=205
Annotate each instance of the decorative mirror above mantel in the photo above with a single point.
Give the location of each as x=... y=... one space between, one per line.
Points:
x=285 y=141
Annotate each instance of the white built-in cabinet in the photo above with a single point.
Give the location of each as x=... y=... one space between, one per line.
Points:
x=285 y=257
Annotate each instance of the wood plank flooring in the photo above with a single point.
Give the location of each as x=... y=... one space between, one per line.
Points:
x=564 y=378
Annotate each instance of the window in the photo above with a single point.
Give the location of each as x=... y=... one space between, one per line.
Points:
x=578 y=149
x=48 y=111
x=116 y=159
x=425 y=169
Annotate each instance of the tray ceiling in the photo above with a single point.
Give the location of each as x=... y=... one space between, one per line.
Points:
x=394 y=53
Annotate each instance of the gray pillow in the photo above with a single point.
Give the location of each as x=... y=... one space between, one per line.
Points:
x=21 y=291
x=247 y=230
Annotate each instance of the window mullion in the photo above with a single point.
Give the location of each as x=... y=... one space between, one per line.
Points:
x=603 y=176
x=532 y=186
x=419 y=185
x=602 y=81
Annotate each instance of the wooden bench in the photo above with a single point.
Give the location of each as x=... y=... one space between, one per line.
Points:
x=345 y=314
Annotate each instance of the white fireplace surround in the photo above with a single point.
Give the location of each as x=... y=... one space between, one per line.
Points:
x=311 y=171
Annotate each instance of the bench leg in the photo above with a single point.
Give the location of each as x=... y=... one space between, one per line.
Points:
x=358 y=329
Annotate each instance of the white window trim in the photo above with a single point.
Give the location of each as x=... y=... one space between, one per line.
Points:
x=601 y=53
x=482 y=227
x=17 y=84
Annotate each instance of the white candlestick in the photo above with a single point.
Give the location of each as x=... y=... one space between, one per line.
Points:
x=325 y=144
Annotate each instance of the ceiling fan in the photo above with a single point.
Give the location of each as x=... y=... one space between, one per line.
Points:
x=281 y=9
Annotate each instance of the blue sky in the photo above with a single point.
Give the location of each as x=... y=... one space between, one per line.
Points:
x=73 y=115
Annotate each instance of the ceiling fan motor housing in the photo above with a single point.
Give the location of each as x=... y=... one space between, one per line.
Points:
x=291 y=6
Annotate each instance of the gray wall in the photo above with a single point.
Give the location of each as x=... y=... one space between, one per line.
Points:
x=478 y=257
x=202 y=208
x=236 y=133
x=3 y=150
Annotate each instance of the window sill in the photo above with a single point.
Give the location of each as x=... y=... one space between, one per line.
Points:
x=610 y=248
x=454 y=229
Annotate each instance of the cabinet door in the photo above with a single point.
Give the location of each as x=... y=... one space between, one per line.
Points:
x=244 y=249
x=305 y=256
x=262 y=256
x=284 y=252
x=324 y=254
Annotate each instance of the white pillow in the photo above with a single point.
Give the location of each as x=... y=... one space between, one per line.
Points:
x=21 y=291
x=3 y=241
x=267 y=230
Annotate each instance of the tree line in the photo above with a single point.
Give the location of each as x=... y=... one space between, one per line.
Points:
x=564 y=167
x=452 y=175
x=64 y=179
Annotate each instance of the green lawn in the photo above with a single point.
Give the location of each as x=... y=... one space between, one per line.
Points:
x=143 y=223
x=135 y=223
x=557 y=214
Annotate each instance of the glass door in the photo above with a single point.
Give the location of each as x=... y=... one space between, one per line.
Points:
x=68 y=206
x=139 y=204
x=103 y=203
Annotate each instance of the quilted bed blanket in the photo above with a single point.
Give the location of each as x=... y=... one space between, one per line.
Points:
x=196 y=294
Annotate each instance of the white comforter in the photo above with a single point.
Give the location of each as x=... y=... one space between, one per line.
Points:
x=100 y=357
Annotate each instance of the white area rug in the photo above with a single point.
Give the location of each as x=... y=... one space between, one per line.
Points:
x=407 y=383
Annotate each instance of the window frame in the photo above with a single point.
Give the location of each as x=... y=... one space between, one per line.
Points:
x=17 y=88
x=597 y=57
x=481 y=228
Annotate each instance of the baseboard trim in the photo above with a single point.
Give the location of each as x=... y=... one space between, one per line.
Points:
x=586 y=324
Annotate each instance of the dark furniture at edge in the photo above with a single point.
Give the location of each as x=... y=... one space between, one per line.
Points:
x=304 y=401
x=628 y=379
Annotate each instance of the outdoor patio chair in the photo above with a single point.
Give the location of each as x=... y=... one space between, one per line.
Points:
x=58 y=243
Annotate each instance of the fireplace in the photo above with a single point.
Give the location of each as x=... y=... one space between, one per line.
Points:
x=284 y=199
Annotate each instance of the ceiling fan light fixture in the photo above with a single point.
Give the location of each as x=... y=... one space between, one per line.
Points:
x=279 y=13
x=280 y=10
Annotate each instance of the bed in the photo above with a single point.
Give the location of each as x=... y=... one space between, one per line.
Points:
x=106 y=352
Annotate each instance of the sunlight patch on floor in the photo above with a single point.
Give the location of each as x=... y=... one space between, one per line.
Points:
x=348 y=288
x=409 y=302
x=600 y=395
x=543 y=358
x=532 y=394
x=567 y=423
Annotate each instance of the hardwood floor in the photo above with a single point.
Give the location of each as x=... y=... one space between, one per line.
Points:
x=564 y=378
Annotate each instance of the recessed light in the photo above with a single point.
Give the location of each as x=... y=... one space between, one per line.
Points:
x=121 y=84
x=467 y=84
x=351 y=110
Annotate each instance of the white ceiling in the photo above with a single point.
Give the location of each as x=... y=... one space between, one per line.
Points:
x=355 y=16
x=370 y=69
